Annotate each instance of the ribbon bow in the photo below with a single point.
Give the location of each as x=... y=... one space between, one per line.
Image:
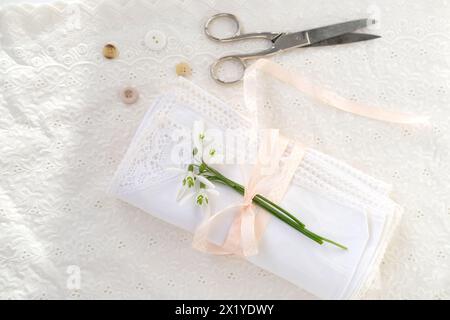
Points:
x=277 y=161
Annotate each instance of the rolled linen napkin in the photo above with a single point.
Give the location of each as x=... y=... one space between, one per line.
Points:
x=330 y=197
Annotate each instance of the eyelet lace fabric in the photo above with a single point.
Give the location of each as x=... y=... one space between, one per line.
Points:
x=65 y=130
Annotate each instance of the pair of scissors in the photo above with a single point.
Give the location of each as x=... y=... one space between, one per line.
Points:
x=339 y=33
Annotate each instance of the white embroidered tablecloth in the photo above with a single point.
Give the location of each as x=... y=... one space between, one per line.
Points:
x=64 y=129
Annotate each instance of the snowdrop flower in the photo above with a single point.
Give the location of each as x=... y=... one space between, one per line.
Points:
x=202 y=197
x=188 y=183
x=212 y=156
x=187 y=186
x=198 y=139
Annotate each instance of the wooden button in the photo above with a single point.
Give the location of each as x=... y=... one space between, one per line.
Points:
x=129 y=95
x=110 y=51
x=183 y=69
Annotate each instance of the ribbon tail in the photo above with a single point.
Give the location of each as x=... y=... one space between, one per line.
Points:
x=249 y=241
x=326 y=96
x=202 y=243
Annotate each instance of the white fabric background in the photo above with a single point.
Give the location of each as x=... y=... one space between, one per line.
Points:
x=64 y=130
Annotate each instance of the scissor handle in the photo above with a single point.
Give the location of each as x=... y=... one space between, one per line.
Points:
x=219 y=16
x=216 y=65
x=241 y=59
x=237 y=33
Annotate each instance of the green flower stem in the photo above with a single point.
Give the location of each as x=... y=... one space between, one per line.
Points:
x=301 y=224
x=230 y=182
x=268 y=205
x=263 y=204
x=258 y=199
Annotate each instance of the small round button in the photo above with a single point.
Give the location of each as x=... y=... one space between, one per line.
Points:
x=110 y=51
x=183 y=69
x=155 y=40
x=129 y=95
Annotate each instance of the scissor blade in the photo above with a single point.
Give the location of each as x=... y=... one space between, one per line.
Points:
x=331 y=31
x=310 y=37
x=344 y=39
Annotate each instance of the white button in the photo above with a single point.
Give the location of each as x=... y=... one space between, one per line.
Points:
x=155 y=40
x=129 y=95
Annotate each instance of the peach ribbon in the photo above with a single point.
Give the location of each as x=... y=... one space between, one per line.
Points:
x=283 y=157
x=323 y=95
x=278 y=158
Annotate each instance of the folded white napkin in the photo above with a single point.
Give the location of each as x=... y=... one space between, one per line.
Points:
x=330 y=197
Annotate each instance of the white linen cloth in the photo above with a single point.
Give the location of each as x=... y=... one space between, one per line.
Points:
x=364 y=223
x=64 y=131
